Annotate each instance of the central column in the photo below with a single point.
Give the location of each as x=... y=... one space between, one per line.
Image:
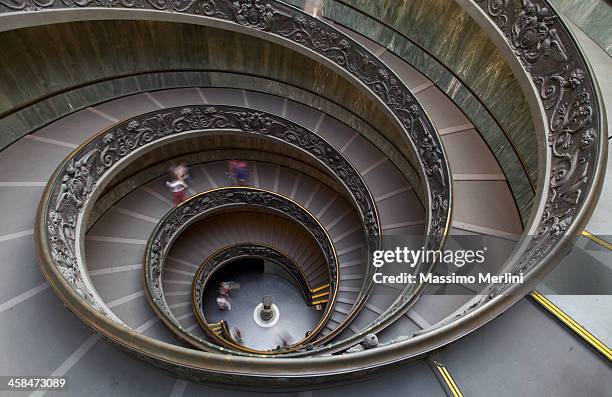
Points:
x=266 y=313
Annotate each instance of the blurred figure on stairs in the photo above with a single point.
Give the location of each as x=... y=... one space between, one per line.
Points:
x=226 y=287
x=181 y=171
x=238 y=335
x=178 y=185
x=224 y=303
x=238 y=172
x=285 y=339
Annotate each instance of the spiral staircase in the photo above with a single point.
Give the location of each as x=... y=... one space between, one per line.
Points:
x=364 y=126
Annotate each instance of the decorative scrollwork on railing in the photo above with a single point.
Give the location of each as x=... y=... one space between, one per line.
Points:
x=241 y=251
x=531 y=28
x=77 y=178
x=280 y=19
x=315 y=35
x=575 y=135
x=203 y=204
x=277 y=18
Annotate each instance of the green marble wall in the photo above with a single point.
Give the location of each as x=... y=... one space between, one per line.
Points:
x=47 y=110
x=29 y=118
x=44 y=60
x=593 y=17
x=442 y=42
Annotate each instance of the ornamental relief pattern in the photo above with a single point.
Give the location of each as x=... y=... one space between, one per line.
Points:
x=234 y=252
x=552 y=59
x=79 y=175
x=309 y=32
x=313 y=34
x=532 y=29
x=198 y=206
x=566 y=90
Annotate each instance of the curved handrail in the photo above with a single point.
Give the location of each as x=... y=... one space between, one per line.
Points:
x=558 y=231
x=101 y=152
x=570 y=115
x=568 y=101
x=287 y=24
x=460 y=80
x=199 y=206
x=231 y=253
x=226 y=254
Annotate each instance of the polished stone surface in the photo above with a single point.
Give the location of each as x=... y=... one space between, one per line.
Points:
x=526 y=352
x=296 y=317
x=501 y=116
x=153 y=46
x=581 y=287
x=594 y=17
x=104 y=371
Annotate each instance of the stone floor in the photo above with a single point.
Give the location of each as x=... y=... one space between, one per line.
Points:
x=295 y=316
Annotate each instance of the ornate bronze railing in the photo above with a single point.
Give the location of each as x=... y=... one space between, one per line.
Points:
x=569 y=117
x=275 y=20
x=327 y=44
x=197 y=208
x=566 y=101
x=232 y=253
x=278 y=21
x=574 y=128
x=78 y=177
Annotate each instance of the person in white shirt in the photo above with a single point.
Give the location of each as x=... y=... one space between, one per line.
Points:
x=224 y=303
x=177 y=187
